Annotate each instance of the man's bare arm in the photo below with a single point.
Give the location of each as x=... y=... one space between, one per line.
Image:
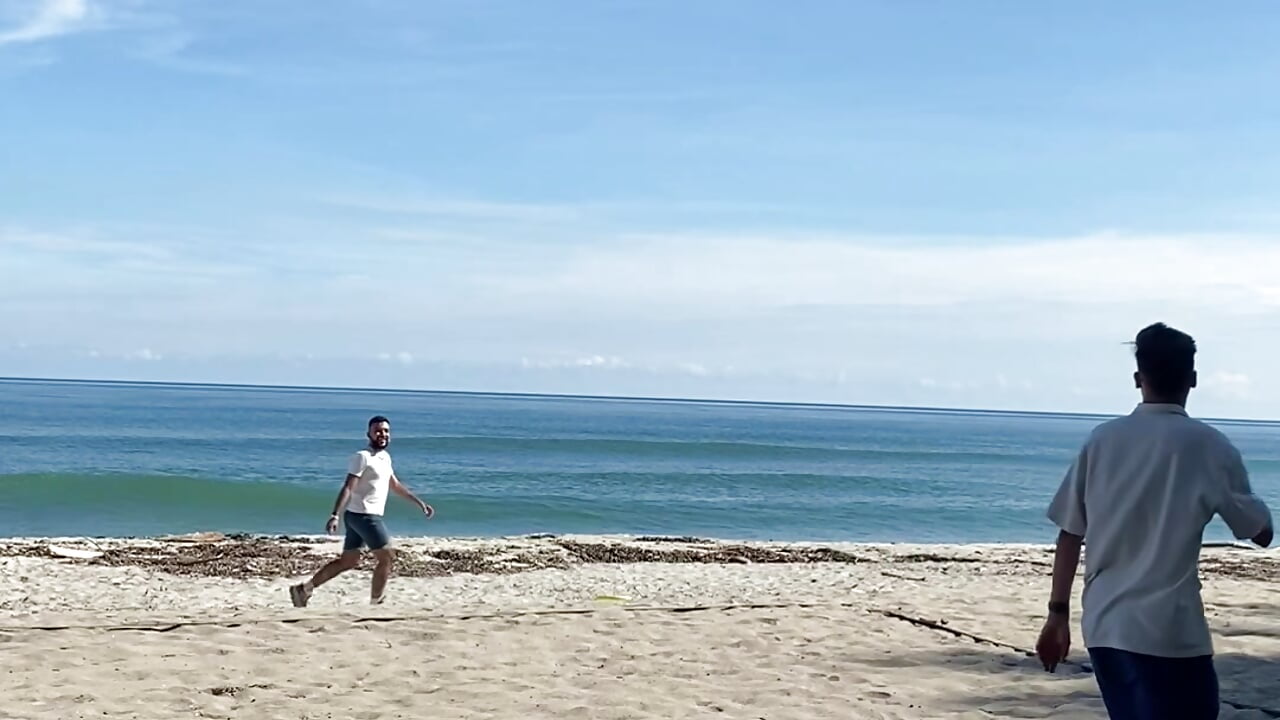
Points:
x=1066 y=559
x=1055 y=637
x=398 y=488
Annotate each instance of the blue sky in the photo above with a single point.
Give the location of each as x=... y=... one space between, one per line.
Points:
x=970 y=204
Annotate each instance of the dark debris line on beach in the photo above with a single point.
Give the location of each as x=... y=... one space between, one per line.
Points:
x=271 y=557
x=283 y=557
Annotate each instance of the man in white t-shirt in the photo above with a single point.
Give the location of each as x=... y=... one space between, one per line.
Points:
x=361 y=501
x=1139 y=496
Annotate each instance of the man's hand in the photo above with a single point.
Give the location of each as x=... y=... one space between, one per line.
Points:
x=331 y=527
x=429 y=511
x=1264 y=538
x=1055 y=641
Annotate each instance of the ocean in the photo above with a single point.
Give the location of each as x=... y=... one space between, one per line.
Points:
x=134 y=459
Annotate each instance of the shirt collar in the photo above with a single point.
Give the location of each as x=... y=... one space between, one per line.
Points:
x=1160 y=409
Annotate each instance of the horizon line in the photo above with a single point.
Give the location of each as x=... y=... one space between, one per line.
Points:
x=582 y=396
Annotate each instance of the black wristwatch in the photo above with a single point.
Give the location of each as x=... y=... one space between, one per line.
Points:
x=1057 y=607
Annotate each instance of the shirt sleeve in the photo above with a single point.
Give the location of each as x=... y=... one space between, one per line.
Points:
x=1067 y=510
x=1245 y=513
x=359 y=461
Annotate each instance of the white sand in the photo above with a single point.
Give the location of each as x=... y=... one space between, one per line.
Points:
x=503 y=645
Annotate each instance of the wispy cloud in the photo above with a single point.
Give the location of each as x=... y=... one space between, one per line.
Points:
x=159 y=37
x=849 y=318
x=458 y=208
x=47 y=19
x=611 y=362
x=402 y=357
x=172 y=49
x=614 y=362
x=145 y=354
x=84 y=243
x=1228 y=383
x=90 y=261
x=1229 y=273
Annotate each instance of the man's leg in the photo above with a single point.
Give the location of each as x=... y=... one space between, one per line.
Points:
x=1117 y=680
x=1201 y=673
x=1145 y=687
x=386 y=559
x=344 y=562
x=300 y=594
x=1180 y=688
x=375 y=534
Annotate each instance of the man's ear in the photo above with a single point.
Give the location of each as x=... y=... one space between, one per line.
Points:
x=1137 y=380
x=1194 y=378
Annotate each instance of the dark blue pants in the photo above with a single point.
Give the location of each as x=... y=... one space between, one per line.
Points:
x=1146 y=687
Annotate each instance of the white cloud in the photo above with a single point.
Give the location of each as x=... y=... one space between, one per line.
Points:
x=694 y=369
x=588 y=361
x=1233 y=273
x=613 y=362
x=170 y=46
x=458 y=208
x=48 y=19
x=821 y=318
x=1233 y=384
x=145 y=354
x=161 y=37
x=1004 y=383
x=402 y=357
x=139 y=264
x=1232 y=379
x=600 y=361
x=21 y=239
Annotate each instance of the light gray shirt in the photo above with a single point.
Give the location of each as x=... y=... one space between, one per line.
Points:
x=1141 y=492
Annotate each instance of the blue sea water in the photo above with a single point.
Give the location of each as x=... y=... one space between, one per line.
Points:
x=120 y=459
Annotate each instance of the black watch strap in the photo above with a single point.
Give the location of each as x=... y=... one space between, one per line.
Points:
x=1057 y=607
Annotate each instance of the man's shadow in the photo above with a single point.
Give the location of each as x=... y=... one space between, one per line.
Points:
x=1005 y=683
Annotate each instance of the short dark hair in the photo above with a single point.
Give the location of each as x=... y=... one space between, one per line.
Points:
x=378 y=419
x=1166 y=358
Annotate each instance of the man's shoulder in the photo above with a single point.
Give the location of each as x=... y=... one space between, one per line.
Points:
x=1212 y=437
x=1110 y=428
x=1202 y=433
x=1187 y=430
x=1180 y=423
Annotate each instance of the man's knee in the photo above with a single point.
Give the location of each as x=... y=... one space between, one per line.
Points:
x=385 y=556
x=348 y=560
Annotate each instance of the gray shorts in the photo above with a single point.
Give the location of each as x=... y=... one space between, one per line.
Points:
x=364 y=530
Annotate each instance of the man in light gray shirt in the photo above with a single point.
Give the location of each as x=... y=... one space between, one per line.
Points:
x=1140 y=494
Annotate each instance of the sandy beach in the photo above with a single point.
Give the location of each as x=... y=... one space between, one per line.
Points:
x=588 y=627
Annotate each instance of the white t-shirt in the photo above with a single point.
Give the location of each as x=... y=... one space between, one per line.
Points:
x=370 y=493
x=1141 y=492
